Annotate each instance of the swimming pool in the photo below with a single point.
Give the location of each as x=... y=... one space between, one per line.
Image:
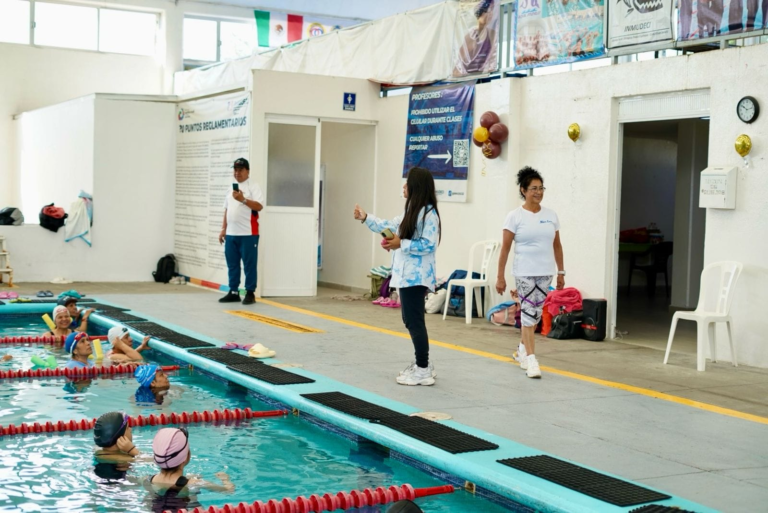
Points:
x=266 y=458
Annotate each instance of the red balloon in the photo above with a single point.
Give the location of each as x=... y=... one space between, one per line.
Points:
x=491 y=149
x=477 y=143
x=489 y=119
x=499 y=132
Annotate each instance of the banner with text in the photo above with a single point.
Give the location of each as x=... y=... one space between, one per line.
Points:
x=212 y=133
x=438 y=136
x=549 y=32
x=637 y=22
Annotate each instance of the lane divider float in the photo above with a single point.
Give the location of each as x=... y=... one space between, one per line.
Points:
x=42 y=339
x=84 y=372
x=215 y=416
x=328 y=502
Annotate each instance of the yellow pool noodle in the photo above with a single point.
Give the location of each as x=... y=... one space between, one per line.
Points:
x=98 y=353
x=49 y=321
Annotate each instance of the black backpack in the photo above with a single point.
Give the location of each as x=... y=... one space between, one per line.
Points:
x=166 y=269
x=567 y=326
x=11 y=216
x=50 y=222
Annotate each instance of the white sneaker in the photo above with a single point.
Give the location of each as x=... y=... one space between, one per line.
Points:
x=418 y=376
x=522 y=357
x=533 y=367
x=412 y=366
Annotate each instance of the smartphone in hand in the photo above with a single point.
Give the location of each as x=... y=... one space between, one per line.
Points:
x=235 y=187
x=387 y=234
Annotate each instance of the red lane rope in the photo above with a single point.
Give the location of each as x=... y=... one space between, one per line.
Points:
x=84 y=372
x=327 y=502
x=42 y=339
x=195 y=417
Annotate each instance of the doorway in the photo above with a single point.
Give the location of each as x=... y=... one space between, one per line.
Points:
x=661 y=229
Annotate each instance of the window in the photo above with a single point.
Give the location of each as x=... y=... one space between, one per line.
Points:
x=127 y=32
x=209 y=40
x=14 y=21
x=68 y=26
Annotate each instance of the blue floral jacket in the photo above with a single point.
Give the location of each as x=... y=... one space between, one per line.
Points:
x=414 y=263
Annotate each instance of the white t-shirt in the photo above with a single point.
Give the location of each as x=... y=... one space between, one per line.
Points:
x=241 y=220
x=534 y=238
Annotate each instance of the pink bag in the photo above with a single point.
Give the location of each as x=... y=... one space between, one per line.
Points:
x=505 y=317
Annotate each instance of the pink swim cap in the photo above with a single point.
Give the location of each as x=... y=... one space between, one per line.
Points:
x=171 y=447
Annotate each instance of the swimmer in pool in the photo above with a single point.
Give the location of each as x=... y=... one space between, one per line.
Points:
x=154 y=386
x=62 y=320
x=79 y=317
x=113 y=434
x=171 y=489
x=79 y=348
x=6 y=358
x=122 y=345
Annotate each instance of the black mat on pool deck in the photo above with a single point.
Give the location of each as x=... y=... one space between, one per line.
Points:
x=117 y=315
x=591 y=483
x=657 y=508
x=152 y=329
x=103 y=308
x=352 y=405
x=438 y=435
x=270 y=374
x=224 y=356
x=184 y=341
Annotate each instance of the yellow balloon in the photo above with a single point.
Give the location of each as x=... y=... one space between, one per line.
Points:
x=743 y=145
x=574 y=131
x=481 y=134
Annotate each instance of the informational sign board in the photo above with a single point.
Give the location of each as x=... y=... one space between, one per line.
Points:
x=438 y=136
x=212 y=134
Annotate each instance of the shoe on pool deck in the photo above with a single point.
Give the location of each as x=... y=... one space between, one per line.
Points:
x=522 y=357
x=412 y=366
x=249 y=298
x=231 y=297
x=533 y=367
x=417 y=376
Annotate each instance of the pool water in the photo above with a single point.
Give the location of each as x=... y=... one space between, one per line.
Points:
x=265 y=458
x=22 y=325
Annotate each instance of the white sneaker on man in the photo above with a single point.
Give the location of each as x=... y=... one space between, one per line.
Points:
x=412 y=366
x=522 y=357
x=417 y=376
x=533 y=367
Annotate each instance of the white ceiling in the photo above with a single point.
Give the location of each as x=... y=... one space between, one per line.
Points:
x=355 y=9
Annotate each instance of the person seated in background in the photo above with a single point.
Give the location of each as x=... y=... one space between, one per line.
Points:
x=113 y=435
x=78 y=345
x=79 y=317
x=122 y=345
x=171 y=489
x=62 y=320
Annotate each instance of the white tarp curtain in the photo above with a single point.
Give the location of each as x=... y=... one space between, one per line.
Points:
x=415 y=47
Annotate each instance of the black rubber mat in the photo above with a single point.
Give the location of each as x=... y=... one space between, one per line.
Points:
x=352 y=406
x=86 y=300
x=591 y=483
x=438 y=435
x=103 y=308
x=224 y=356
x=657 y=508
x=152 y=329
x=184 y=341
x=270 y=374
x=117 y=315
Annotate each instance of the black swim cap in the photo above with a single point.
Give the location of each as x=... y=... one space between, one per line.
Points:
x=109 y=427
x=404 y=507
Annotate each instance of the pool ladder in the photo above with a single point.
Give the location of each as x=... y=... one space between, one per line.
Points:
x=5 y=262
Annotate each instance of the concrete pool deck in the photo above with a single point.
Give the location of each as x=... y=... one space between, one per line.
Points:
x=720 y=461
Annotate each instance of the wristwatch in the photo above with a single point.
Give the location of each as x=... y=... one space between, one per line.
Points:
x=244 y=202
x=561 y=273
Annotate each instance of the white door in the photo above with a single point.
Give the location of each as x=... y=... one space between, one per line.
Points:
x=289 y=221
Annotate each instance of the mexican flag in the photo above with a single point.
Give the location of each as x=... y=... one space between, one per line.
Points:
x=275 y=29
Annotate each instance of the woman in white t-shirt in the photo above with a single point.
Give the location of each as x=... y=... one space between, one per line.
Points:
x=538 y=252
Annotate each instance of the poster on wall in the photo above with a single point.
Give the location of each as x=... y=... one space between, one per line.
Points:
x=549 y=32
x=476 y=49
x=637 y=22
x=438 y=136
x=212 y=134
x=699 y=20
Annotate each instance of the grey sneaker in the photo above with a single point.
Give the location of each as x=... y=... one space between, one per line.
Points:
x=418 y=376
x=412 y=366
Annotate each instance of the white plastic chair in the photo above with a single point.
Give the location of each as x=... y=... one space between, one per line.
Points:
x=470 y=284
x=727 y=273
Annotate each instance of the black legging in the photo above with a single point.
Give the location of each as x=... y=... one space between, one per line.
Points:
x=412 y=308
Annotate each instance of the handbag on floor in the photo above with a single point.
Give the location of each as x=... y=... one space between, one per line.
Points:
x=567 y=326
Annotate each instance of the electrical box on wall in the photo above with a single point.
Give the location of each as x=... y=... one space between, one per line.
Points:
x=718 y=187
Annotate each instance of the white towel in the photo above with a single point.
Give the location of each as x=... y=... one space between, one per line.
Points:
x=78 y=223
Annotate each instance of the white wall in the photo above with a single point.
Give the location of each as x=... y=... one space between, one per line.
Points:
x=132 y=157
x=56 y=158
x=349 y=154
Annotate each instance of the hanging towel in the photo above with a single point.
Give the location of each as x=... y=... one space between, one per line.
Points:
x=78 y=223
x=570 y=298
x=382 y=271
x=88 y=203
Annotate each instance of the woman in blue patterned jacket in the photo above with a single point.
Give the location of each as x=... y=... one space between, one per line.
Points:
x=416 y=236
